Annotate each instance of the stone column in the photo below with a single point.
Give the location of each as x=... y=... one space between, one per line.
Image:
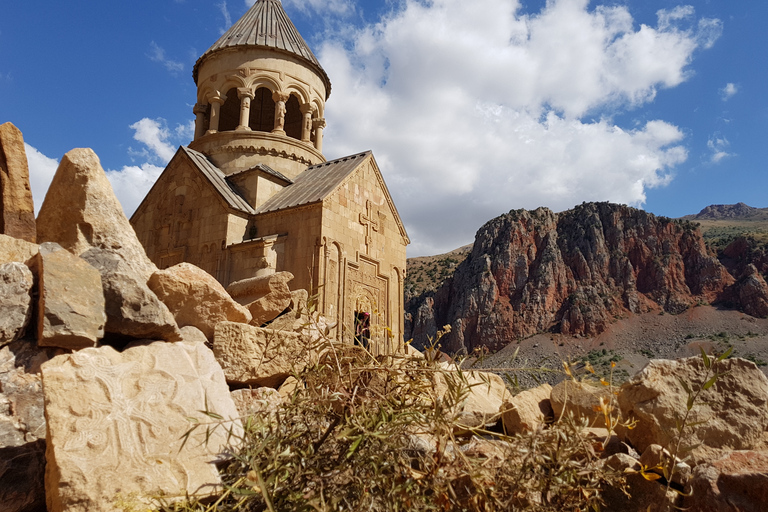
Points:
x=246 y=95
x=199 y=110
x=306 y=127
x=280 y=99
x=319 y=124
x=216 y=103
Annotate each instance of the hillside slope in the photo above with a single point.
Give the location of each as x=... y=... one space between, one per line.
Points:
x=575 y=273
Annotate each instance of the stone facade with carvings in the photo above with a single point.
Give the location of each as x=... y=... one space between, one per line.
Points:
x=253 y=194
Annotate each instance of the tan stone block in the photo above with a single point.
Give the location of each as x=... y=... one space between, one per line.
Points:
x=71 y=302
x=17 y=209
x=15 y=249
x=16 y=304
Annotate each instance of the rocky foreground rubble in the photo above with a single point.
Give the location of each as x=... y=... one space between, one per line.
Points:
x=106 y=362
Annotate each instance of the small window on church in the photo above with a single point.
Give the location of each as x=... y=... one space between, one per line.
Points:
x=293 y=118
x=230 y=112
x=362 y=328
x=262 y=117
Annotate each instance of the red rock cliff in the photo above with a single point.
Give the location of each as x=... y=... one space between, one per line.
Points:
x=574 y=273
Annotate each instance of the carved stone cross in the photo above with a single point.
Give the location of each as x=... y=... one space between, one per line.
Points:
x=367 y=219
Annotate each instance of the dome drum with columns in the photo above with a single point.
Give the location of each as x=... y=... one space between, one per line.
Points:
x=253 y=194
x=260 y=78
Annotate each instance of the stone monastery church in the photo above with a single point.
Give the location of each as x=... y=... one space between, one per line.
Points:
x=253 y=194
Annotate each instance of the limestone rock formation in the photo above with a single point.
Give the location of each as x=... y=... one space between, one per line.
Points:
x=195 y=298
x=116 y=423
x=22 y=427
x=737 y=481
x=17 y=209
x=752 y=292
x=81 y=211
x=71 y=302
x=253 y=356
x=16 y=282
x=572 y=272
x=265 y=297
x=192 y=334
x=527 y=410
x=581 y=399
x=15 y=249
x=734 y=410
x=483 y=400
x=133 y=310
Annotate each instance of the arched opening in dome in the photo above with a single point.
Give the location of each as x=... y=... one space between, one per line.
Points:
x=262 y=116
x=293 y=118
x=229 y=113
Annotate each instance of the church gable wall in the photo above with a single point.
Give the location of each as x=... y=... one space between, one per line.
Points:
x=183 y=219
x=357 y=217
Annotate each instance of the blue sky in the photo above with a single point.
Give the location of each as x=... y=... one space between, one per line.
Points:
x=471 y=108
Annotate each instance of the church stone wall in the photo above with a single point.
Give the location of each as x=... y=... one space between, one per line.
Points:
x=358 y=218
x=183 y=219
x=303 y=229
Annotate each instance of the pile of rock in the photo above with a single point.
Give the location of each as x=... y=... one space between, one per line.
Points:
x=105 y=361
x=722 y=458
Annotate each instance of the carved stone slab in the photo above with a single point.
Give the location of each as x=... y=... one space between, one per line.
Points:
x=116 y=421
x=254 y=356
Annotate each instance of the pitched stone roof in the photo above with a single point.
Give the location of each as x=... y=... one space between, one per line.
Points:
x=267 y=25
x=218 y=180
x=314 y=184
x=265 y=169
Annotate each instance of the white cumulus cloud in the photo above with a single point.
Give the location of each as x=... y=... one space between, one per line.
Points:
x=41 y=171
x=729 y=91
x=473 y=108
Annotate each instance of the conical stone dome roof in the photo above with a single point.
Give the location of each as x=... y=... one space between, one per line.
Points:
x=267 y=25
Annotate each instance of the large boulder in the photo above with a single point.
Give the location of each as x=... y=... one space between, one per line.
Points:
x=17 y=209
x=16 y=282
x=265 y=297
x=117 y=423
x=81 y=211
x=71 y=302
x=253 y=356
x=22 y=427
x=133 y=310
x=737 y=481
x=528 y=410
x=476 y=398
x=195 y=298
x=730 y=415
x=14 y=249
x=580 y=398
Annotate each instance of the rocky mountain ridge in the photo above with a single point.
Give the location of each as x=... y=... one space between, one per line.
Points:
x=577 y=271
x=729 y=211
